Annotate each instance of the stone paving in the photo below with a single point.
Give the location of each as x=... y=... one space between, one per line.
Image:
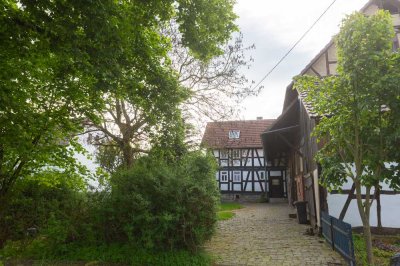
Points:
x=263 y=234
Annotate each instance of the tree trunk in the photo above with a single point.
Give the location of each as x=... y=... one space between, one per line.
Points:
x=378 y=205
x=128 y=155
x=364 y=214
x=368 y=242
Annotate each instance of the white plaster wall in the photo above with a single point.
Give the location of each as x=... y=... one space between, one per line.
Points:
x=332 y=53
x=310 y=72
x=248 y=162
x=390 y=208
x=320 y=65
x=248 y=187
x=216 y=153
x=224 y=186
x=237 y=187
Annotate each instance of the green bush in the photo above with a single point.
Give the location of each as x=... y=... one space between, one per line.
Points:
x=33 y=203
x=161 y=206
x=104 y=255
x=155 y=207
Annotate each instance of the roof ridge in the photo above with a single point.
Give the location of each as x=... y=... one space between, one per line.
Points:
x=245 y=120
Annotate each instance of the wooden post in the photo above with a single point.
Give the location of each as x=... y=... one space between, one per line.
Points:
x=347 y=203
x=332 y=239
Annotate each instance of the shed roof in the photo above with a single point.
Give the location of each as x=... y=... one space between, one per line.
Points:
x=216 y=134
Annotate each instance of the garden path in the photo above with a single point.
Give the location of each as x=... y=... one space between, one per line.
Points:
x=263 y=234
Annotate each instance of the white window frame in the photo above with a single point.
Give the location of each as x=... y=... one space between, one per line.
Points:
x=236 y=154
x=224 y=176
x=234 y=134
x=223 y=154
x=237 y=176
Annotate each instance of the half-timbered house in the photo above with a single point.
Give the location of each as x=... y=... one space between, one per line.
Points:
x=243 y=172
x=290 y=136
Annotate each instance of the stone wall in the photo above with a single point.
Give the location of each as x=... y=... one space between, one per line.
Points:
x=241 y=197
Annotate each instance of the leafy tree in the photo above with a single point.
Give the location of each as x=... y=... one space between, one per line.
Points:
x=59 y=58
x=357 y=110
x=132 y=124
x=130 y=127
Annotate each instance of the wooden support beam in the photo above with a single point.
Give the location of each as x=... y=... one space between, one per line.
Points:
x=347 y=203
x=327 y=63
x=347 y=191
x=316 y=72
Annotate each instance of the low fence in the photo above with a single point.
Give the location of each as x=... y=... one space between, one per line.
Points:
x=339 y=236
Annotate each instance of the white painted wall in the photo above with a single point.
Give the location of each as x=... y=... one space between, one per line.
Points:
x=390 y=208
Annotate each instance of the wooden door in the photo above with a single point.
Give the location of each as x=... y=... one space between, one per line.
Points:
x=276 y=187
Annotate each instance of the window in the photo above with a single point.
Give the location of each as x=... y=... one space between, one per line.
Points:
x=224 y=154
x=262 y=175
x=237 y=176
x=236 y=154
x=224 y=176
x=396 y=42
x=234 y=134
x=276 y=182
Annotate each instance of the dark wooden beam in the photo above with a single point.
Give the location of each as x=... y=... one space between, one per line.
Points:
x=347 y=203
x=347 y=191
x=316 y=72
x=327 y=63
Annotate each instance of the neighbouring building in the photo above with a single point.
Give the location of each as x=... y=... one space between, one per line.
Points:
x=289 y=139
x=243 y=173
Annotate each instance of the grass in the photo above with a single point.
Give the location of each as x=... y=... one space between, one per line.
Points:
x=103 y=255
x=225 y=210
x=381 y=257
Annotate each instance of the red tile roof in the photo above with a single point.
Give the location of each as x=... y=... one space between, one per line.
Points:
x=216 y=134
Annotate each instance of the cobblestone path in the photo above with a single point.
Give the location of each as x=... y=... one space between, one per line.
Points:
x=263 y=234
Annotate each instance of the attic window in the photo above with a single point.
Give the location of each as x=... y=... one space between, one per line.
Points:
x=234 y=134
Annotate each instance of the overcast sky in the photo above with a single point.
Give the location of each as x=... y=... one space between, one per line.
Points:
x=274 y=26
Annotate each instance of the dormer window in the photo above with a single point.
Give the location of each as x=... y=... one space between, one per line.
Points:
x=234 y=134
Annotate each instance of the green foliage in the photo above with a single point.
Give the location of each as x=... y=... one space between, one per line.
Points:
x=148 y=210
x=381 y=257
x=224 y=215
x=104 y=254
x=164 y=206
x=360 y=250
x=229 y=206
x=61 y=60
x=200 y=24
x=37 y=203
x=358 y=107
x=225 y=210
x=358 y=110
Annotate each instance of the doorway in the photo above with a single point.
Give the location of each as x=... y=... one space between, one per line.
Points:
x=276 y=184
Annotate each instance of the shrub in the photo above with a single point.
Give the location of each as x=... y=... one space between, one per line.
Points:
x=33 y=203
x=154 y=208
x=161 y=206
